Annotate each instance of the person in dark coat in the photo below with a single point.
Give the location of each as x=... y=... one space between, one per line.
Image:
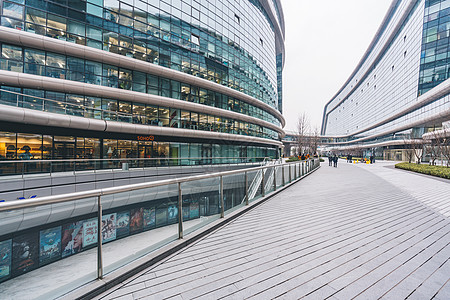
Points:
x=335 y=161
x=330 y=160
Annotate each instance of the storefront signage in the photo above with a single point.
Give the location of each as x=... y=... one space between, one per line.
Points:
x=145 y=138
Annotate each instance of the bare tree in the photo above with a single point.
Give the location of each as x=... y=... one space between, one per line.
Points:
x=440 y=143
x=302 y=132
x=314 y=140
x=445 y=147
x=408 y=151
x=417 y=149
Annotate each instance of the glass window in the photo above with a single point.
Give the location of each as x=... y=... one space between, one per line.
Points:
x=94 y=33
x=152 y=115
x=163 y=113
x=93 y=107
x=139 y=113
x=35 y=101
x=7 y=145
x=56 y=60
x=36 y=16
x=11 y=52
x=110 y=76
x=35 y=56
x=12 y=10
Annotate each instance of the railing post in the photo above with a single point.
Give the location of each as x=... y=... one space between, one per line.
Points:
x=274 y=178
x=295 y=171
x=290 y=174
x=282 y=175
x=180 y=212
x=222 y=210
x=246 y=188
x=99 y=239
x=299 y=170
x=263 y=192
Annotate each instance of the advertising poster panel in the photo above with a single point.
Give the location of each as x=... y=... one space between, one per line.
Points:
x=109 y=227
x=49 y=245
x=194 y=210
x=186 y=212
x=71 y=238
x=136 y=220
x=161 y=216
x=172 y=213
x=25 y=251
x=149 y=218
x=5 y=259
x=90 y=233
x=123 y=224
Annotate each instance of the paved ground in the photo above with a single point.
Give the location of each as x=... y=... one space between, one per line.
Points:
x=356 y=231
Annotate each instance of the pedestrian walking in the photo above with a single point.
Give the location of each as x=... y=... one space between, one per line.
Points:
x=330 y=160
x=335 y=160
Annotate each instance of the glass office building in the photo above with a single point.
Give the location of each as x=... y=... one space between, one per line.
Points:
x=141 y=78
x=400 y=89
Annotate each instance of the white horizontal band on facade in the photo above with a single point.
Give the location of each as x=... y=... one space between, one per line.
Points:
x=34 y=117
x=441 y=116
x=28 y=39
x=75 y=87
x=371 y=66
x=435 y=93
x=375 y=145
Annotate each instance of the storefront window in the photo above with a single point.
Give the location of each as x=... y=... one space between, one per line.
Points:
x=110 y=149
x=7 y=145
x=29 y=146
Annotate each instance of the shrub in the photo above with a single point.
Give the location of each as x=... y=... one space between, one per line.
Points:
x=438 y=171
x=293 y=158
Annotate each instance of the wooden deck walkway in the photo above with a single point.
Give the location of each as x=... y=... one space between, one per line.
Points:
x=356 y=231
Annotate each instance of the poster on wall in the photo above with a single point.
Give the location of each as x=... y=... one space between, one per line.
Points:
x=90 y=233
x=186 y=212
x=71 y=238
x=136 y=220
x=123 y=224
x=172 y=213
x=49 y=245
x=161 y=216
x=149 y=218
x=5 y=259
x=194 y=211
x=109 y=227
x=25 y=251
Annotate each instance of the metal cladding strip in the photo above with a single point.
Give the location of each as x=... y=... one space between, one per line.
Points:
x=27 y=39
x=436 y=93
x=34 y=117
x=387 y=43
x=68 y=86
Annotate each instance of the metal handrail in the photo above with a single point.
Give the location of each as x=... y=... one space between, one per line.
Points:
x=27 y=203
x=124 y=159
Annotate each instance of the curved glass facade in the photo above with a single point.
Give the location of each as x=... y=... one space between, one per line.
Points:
x=232 y=44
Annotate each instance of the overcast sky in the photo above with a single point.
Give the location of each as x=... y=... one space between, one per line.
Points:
x=324 y=42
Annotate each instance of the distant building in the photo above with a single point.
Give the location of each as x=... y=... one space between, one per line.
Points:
x=400 y=88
